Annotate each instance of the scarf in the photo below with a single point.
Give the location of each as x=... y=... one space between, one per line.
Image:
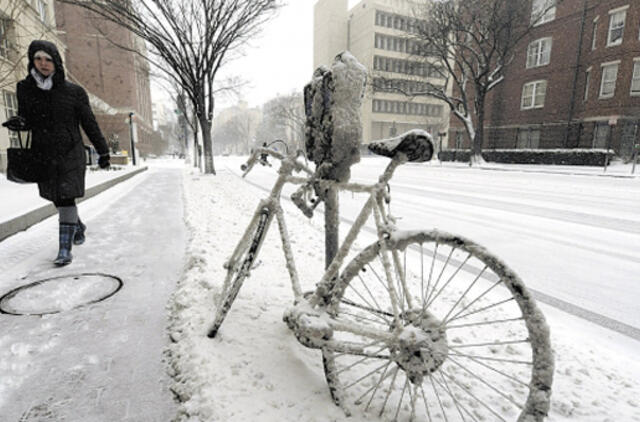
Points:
x=43 y=83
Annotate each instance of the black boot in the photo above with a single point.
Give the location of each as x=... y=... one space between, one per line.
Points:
x=78 y=238
x=67 y=231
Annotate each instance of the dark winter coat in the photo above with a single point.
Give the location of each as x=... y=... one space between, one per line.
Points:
x=54 y=118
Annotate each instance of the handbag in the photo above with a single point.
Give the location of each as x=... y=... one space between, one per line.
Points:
x=25 y=165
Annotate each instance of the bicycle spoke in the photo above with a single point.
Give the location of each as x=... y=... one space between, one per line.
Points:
x=393 y=382
x=380 y=383
x=378 y=314
x=485 y=405
x=404 y=388
x=519 y=362
x=495 y=343
x=360 y=317
x=379 y=278
x=444 y=414
x=473 y=301
x=511 y=377
x=364 y=376
x=505 y=395
x=430 y=301
x=480 y=310
x=465 y=292
x=426 y=404
x=476 y=324
x=359 y=361
x=383 y=376
x=437 y=281
x=370 y=293
x=455 y=400
x=414 y=397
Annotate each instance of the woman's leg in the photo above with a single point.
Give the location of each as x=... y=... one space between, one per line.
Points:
x=68 y=218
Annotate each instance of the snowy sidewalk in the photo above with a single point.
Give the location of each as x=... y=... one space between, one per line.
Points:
x=21 y=205
x=101 y=362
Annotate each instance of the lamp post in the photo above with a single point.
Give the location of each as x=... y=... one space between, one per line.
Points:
x=133 y=145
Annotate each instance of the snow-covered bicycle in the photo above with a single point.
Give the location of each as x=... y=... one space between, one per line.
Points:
x=420 y=325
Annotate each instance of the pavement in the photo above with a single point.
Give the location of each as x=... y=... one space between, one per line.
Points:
x=103 y=361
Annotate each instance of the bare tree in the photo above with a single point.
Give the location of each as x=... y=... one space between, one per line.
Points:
x=468 y=44
x=284 y=118
x=190 y=41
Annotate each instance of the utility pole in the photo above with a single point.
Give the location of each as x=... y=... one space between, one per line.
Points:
x=133 y=145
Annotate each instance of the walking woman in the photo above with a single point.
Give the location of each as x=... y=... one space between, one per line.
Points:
x=54 y=109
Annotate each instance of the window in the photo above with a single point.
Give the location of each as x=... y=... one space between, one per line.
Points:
x=587 y=82
x=528 y=138
x=539 y=53
x=543 y=11
x=635 y=77
x=10 y=110
x=594 y=36
x=616 y=27
x=601 y=135
x=459 y=140
x=609 y=76
x=533 y=94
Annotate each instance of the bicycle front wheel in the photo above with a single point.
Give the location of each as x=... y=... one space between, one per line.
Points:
x=239 y=267
x=468 y=343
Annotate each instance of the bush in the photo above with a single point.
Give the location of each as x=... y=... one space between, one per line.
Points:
x=572 y=157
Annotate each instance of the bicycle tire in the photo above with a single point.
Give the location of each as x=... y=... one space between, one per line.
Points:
x=239 y=271
x=480 y=348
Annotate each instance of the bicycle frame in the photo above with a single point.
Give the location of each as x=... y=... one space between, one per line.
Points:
x=270 y=206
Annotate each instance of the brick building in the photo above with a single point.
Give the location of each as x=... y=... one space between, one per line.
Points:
x=119 y=77
x=574 y=82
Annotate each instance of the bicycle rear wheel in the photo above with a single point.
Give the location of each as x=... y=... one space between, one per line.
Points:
x=471 y=345
x=239 y=267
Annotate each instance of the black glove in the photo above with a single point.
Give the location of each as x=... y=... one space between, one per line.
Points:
x=16 y=123
x=103 y=161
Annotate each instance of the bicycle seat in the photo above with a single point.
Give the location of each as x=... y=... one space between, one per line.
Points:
x=416 y=144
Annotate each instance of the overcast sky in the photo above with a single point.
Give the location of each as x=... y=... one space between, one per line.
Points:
x=280 y=60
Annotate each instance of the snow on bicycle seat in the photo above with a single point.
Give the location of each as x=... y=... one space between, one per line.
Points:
x=416 y=144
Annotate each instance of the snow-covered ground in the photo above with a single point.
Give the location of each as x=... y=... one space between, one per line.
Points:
x=17 y=199
x=571 y=237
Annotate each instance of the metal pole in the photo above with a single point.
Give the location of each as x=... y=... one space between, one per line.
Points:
x=606 y=154
x=331 y=225
x=133 y=145
x=636 y=147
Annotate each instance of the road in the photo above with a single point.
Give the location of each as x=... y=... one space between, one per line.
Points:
x=575 y=240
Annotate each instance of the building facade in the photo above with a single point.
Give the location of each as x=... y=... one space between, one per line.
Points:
x=378 y=34
x=117 y=76
x=574 y=82
x=21 y=21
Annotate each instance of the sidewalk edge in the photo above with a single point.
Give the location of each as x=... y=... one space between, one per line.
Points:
x=23 y=222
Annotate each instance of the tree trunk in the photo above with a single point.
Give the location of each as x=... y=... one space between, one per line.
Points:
x=207 y=143
x=478 y=140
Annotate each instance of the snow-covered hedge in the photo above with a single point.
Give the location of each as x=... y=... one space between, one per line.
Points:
x=578 y=157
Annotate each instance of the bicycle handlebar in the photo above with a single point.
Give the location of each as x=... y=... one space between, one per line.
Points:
x=253 y=158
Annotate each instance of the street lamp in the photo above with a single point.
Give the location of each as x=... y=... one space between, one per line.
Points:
x=133 y=145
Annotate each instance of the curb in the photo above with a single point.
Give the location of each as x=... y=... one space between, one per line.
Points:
x=23 y=222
